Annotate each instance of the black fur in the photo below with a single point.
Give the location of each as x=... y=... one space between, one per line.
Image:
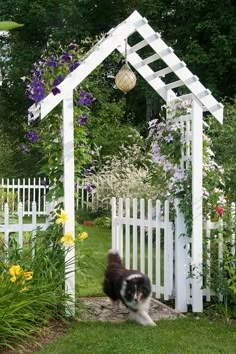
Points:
x=118 y=286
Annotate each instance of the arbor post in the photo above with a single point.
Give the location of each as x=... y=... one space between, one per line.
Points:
x=68 y=157
x=197 y=221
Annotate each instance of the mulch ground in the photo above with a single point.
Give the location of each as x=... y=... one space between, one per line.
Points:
x=101 y=309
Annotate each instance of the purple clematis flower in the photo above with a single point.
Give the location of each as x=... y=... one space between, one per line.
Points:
x=52 y=62
x=85 y=98
x=83 y=119
x=74 y=65
x=57 y=80
x=35 y=90
x=32 y=136
x=66 y=57
x=56 y=91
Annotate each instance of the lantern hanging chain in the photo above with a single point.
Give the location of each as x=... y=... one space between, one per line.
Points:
x=126 y=41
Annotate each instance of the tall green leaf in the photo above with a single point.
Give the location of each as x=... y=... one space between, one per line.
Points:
x=9 y=25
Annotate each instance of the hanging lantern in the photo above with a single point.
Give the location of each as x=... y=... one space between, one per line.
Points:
x=125 y=79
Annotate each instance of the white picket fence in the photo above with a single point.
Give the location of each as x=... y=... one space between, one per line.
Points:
x=15 y=225
x=148 y=241
x=29 y=190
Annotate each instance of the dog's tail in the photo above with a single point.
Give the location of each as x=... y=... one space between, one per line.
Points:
x=113 y=257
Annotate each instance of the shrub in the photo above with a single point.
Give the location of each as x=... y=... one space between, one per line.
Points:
x=124 y=175
x=103 y=221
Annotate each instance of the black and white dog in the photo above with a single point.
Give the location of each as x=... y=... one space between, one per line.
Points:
x=131 y=287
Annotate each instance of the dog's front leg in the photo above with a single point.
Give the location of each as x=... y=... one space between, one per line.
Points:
x=142 y=317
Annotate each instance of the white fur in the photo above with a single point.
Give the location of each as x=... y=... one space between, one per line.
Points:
x=123 y=289
x=142 y=317
x=140 y=313
x=133 y=276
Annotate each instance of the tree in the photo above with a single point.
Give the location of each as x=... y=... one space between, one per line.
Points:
x=201 y=32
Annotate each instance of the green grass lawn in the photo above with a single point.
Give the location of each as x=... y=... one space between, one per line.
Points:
x=91 y=268
x=186 y=336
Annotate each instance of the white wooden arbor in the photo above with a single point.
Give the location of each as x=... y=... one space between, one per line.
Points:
x=202 y=100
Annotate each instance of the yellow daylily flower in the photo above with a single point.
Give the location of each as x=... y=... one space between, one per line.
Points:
x=83 y=236
x=61 y=218
x=28 y=275
x=15 y=270
x=25 y=288
x=67 y=239
x=13 y=279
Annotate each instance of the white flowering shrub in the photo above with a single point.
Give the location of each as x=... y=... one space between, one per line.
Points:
x=125 y=175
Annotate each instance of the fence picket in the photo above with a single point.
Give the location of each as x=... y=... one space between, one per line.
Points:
x=34 y=227
x=28 y=197
x=120 y=227
x=13 y=194
x=135 y=244
x=23 y=196
x=18 y=191
x=82 y=197
x=150 y=214
x=20 y=225
x=181 y=266
x=170 y=259
x=6 y=224
x=39 y=196
x=166 y=250
x=208 y=259
x=8 y=191
x=127 y=233
x=114 y=224
x=220 y=252
x=142 y=236
x=158 y=249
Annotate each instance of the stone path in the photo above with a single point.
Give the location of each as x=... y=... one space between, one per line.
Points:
x=101 y=309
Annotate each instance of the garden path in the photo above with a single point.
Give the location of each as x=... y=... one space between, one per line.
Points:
x=101 y=309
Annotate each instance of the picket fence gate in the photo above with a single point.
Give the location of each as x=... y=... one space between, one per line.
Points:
x=29 y=190
x=17 y=226
x=149 y=241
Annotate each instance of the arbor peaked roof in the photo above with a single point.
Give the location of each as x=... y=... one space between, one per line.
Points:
x=115 y=39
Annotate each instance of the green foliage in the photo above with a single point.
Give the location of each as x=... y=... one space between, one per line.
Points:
x=7 y=197
x=224 y=143
x=27 y=305
x=9 y=25
x=33 y=288
x=103 y=221
x=201 y=32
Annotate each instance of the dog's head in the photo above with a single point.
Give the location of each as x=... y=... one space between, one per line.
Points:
x=136 y=289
